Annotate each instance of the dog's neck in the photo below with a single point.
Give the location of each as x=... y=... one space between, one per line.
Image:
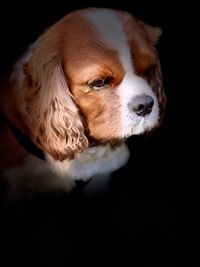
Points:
x=91 y=161
x=99 y=159
x=25 y=141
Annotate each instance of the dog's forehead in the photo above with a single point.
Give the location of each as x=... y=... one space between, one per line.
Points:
x=98 y=36
x=109 y=29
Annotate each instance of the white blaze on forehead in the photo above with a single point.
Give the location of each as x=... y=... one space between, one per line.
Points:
x=109 y=29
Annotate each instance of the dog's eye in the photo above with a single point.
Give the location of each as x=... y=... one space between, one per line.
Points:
x=100 y=83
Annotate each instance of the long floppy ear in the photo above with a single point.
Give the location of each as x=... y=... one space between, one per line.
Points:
x=46 y=104
x=156 y=82
x=155 y=74
x=154 y=33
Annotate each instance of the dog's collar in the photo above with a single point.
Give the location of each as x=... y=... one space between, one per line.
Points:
x=25 y=141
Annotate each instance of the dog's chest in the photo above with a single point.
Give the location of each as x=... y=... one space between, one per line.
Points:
x=50 y=174
x=92 y=161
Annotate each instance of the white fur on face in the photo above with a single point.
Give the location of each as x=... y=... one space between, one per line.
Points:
x=132 y=124
x=109 y=29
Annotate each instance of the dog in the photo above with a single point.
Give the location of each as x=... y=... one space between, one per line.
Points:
x=89 y=82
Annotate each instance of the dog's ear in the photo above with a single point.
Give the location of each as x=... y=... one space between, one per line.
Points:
x=46 y=104
x=154 y=33
x=156 y=82
x=155 y=75
x=156 y=78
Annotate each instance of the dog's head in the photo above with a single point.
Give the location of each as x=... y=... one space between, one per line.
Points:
x=94 y=75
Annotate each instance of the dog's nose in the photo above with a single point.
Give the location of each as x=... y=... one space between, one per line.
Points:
x=142 y=105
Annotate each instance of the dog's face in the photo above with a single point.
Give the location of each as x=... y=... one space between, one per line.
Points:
x=93 y=75
x=110 y=76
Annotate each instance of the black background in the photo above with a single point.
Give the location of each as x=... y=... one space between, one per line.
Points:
x=149 y=215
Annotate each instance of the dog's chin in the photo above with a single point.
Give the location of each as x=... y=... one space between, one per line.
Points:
x=140 y=127
x=135 y=126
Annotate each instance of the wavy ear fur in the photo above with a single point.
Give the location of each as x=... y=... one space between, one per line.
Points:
x=47 y=105
x=156 y=82
x=156 y=79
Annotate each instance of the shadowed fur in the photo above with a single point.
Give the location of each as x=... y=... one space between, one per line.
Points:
x=74 y=94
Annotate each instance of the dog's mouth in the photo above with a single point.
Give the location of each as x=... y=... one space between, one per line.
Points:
x=139 y=125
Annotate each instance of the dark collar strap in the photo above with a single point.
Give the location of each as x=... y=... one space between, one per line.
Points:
x=25 y=141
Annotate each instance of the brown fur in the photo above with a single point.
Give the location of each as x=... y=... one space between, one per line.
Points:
x=142 y=40
x=54 y=105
